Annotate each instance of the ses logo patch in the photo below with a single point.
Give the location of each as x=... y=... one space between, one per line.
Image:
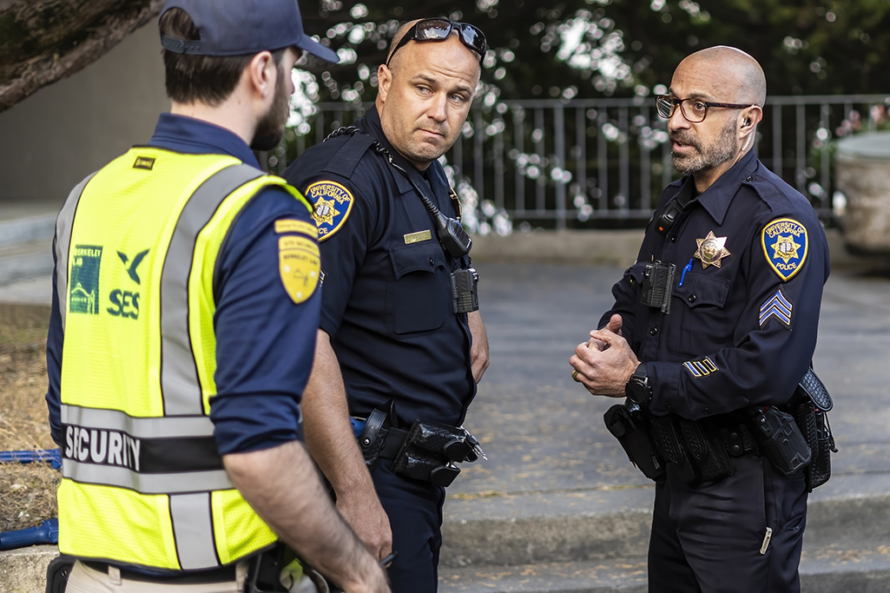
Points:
x=125 y=303
x=83 y=287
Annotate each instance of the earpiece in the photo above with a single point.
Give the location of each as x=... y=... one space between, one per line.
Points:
x=747 y=123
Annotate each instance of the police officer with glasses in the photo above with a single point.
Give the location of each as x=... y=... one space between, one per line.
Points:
x=401 y=344
x=185 y=306
x=711 y=332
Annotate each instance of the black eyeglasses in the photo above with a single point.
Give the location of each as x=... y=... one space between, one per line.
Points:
x=696 y=111
x=439 y=30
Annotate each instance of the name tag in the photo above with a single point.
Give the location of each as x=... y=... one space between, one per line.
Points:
x=418 y=237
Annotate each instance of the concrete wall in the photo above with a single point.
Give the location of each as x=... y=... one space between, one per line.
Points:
x=53 y=139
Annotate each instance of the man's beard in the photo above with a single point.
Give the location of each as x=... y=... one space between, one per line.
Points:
x=723 y=149
x=270 y=129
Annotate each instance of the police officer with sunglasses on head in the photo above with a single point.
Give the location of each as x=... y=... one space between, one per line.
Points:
x=401 y=344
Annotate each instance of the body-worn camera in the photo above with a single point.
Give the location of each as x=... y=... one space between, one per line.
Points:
x=658 y=284
x=464 y=292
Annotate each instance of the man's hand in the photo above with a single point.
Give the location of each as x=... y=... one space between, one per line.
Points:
x=330 y=439
x=366 y=516
x=283 y=487
x=613 y=326
x=479 y=350
x=606 y=370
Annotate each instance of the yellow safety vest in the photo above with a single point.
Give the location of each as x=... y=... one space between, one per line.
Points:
x=136 y=248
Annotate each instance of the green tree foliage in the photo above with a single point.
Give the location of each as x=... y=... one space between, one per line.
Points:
x=596 y=48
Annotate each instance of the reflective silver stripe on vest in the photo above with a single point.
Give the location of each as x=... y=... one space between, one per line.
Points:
x=193 y=530
x=121 y=477
x=140 y=428
x=64 y=224
x=179 y=373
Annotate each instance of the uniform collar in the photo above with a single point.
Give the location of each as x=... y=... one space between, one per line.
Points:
x=716 y=199
x=194 y=136
x=372 y=119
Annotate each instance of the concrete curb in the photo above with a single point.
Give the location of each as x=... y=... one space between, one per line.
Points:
x=25 y=261
x=24 y=570
x=594 y=524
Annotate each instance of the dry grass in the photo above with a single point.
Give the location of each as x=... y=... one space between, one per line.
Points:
x=27 y=491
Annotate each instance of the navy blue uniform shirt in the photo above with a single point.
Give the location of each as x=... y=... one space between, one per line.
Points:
x=741 y=330
x=387 y=293
x=265 y=343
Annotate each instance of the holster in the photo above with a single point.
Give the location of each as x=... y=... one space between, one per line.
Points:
x=265 y=573
x=628 y=425
x=57 y=573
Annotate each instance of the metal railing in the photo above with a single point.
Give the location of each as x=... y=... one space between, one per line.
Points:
x=603 y=162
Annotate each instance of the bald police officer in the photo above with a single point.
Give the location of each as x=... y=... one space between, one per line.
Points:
x=735 y=333
x=390 y=330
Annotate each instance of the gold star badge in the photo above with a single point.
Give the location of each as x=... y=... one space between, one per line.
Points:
x=786 y=248
x=325 y=211
x=711 y=250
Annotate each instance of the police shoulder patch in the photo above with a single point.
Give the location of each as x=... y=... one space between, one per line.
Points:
x=299 y=263
x=331 y=205
x=785 y=245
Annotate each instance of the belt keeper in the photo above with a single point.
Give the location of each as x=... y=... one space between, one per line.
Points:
x=738 y=440
x=736 y=447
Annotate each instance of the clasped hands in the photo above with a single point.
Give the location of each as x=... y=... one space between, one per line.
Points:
x=605 y=363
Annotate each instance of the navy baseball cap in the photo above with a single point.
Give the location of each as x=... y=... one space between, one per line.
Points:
x=240 y=27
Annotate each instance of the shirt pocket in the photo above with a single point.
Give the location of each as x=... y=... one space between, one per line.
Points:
x=419 y=299
x=697 y=322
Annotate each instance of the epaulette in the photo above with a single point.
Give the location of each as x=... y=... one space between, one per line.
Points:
x=347 y=158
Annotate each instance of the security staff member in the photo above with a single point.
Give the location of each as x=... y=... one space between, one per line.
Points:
x=737 y=330
x=388 y=329
x=185 y=306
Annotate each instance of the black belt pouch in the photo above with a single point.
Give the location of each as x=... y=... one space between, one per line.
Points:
x=630 y=430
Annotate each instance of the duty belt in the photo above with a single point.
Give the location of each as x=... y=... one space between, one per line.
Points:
x=701 y=449
x=427 y=451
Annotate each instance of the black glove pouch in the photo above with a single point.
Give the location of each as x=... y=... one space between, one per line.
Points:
x=429 y=451
x=812 y=423
x=811 y=414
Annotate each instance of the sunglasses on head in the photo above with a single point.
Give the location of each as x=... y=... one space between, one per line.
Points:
x=439 y=30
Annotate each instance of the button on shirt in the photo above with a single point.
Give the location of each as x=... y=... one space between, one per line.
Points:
x=725 y=344
x=387 y=300
x=265 y=343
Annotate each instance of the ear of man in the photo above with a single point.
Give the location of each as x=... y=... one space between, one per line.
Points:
x=260 y=74
x=384 y=82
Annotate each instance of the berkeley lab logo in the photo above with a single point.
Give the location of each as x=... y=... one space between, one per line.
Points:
x=83 y=292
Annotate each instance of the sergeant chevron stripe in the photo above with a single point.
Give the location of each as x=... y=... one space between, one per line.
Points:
x=779 y=307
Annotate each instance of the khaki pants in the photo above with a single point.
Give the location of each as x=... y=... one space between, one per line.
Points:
x=84 y=579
